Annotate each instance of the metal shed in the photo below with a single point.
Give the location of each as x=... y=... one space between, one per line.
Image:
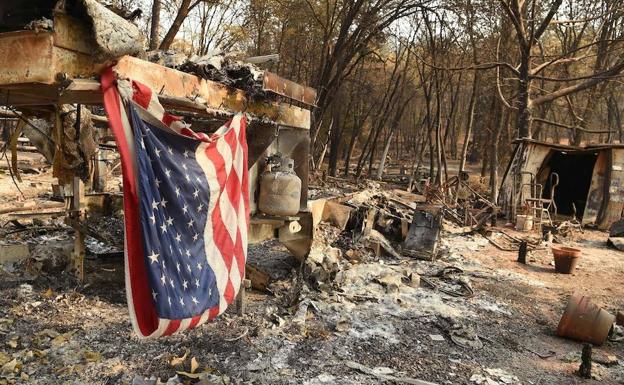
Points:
x=590 y=185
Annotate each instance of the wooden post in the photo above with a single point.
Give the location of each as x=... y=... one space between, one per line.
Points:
x=100 y=175
x=77 y=213
x=240 y=298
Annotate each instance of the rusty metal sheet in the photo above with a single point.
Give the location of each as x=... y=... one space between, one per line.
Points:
x=287 y=88
x=30 y=64
x=31 y=60
x=597 y=190
x=612 y=211
x=213 y=95
x=424 y=231
x=27 y=57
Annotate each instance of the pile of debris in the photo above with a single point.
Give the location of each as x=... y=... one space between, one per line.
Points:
x=391 y=222
x=463 y=205
x=370 y=224
x=225 y=68
x=44 y=246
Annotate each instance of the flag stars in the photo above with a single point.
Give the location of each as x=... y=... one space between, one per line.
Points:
x=190 y=223
x=178 y=237
x=196 y=193
x=170 y=150
x=197 y=283
x=153 y=257
x=163 y=203
x=154 y=205
x=188 y=253
x=153 y=219
x=178 y=266
x=199 y=266
x=158 y=182
x=163 y=279
x=163 y=228
x=154 y=295
x=171 y=283
x=195 y=237
x=177 y=191
x=188 y=178
x=200 y=207
x=186 y=153
x=157 y=152
x=169 y=221
x=169 y=300
x=185 y=284
x=142 y=144
x=198 y=179
x=188 y=267
x=185 y=208
x=184 y=166
x=168 y=173
x=195 y=301
x=163 y=265
x=181 y=301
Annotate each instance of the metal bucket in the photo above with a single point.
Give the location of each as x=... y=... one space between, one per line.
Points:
x=585 y=321
x=524 y=222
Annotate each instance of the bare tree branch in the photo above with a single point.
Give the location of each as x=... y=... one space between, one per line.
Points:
x=556 y=124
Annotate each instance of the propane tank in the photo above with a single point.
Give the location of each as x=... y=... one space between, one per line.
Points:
x=280 y=187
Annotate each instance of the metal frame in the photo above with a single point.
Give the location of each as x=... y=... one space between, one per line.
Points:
x=42 y=70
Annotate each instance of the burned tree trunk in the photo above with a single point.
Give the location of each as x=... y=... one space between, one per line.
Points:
x=183 y=11
x=523 y=120
x=384 y=155
x=501 y=121
x=335 y=140
x=469 y=122
x=155 y=25
x=586 y=362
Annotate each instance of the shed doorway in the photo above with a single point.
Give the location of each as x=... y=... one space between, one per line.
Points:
x=575 y=170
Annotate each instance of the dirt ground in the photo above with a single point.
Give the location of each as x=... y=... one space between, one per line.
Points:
x=375 y=321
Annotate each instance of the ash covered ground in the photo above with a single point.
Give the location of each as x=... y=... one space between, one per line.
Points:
x=367 y=320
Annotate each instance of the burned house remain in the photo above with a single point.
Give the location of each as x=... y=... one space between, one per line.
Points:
x=46 y=69
x=356 y=281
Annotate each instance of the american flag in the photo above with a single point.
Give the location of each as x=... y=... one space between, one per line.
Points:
x=186 y=207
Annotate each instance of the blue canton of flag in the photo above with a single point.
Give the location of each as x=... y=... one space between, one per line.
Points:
x=174 y=205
